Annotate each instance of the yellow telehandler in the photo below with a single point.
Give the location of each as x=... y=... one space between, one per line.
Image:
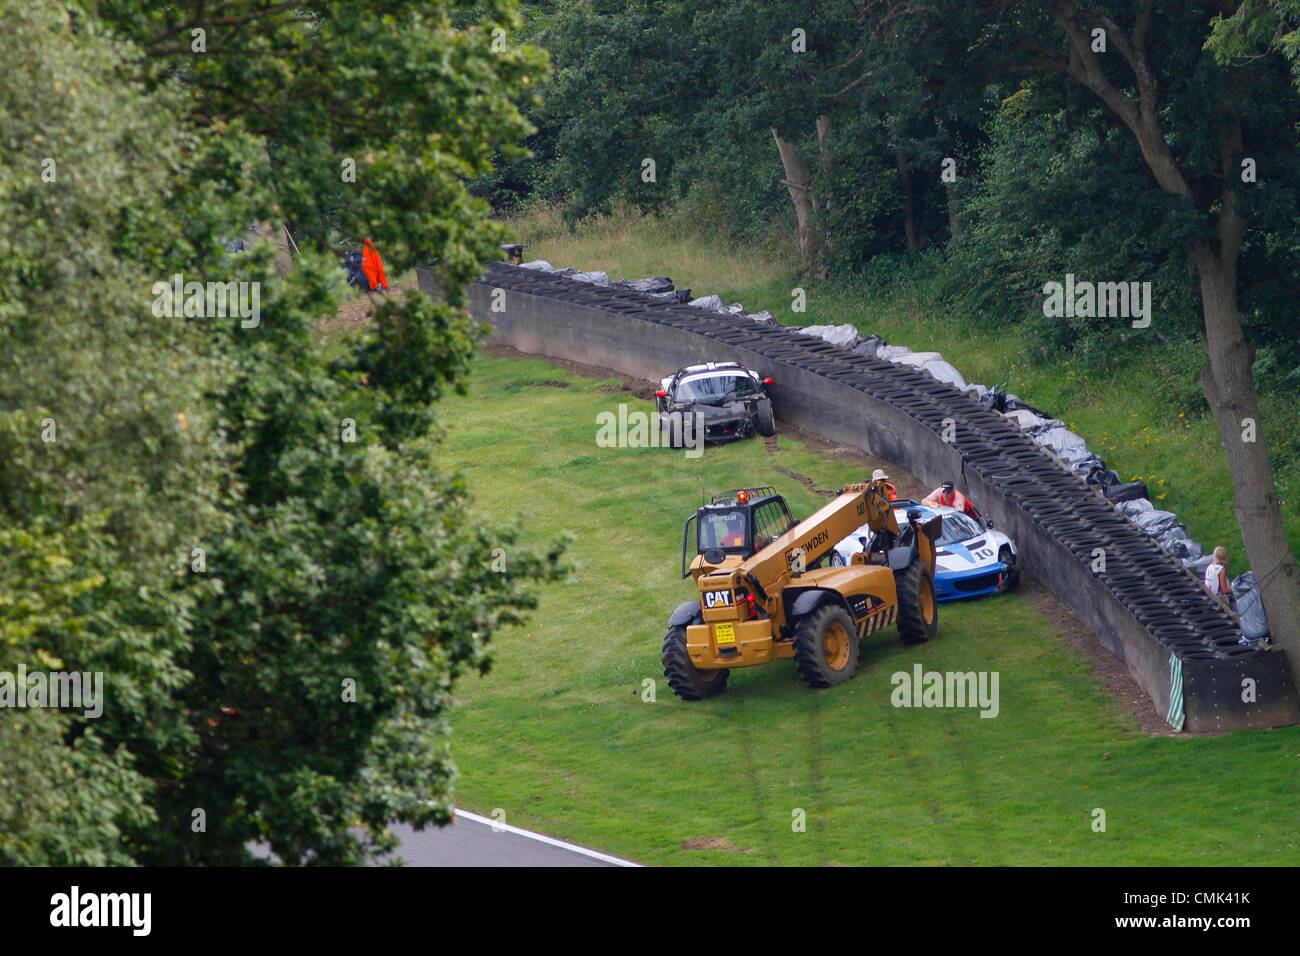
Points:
x=764 y=594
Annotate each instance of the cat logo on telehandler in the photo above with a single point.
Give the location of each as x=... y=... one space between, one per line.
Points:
x=764 y=596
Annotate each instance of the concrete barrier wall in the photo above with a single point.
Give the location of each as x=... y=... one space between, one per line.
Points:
x=829 y=391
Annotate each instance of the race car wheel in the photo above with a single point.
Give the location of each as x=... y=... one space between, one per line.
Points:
x=837 y=560
x=686 y=680
x=918 y=608
x=1011 y=576
x=764 y=420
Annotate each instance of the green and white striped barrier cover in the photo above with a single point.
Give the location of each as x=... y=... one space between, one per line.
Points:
x=1175 y=716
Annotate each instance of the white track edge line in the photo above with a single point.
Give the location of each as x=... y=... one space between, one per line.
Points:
x=542 y=838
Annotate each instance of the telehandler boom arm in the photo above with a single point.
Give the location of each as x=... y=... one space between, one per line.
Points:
x=810 y=540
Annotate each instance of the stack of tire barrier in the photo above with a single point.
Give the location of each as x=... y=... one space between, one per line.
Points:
x=1177 y=642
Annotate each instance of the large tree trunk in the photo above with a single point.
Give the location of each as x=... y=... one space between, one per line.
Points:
x=909 y=210
x=1226 y=380
x=278 y=236
x=824 y=154
x=799 y=182
x=1230 y=391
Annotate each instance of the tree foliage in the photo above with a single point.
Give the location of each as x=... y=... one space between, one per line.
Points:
x=280 y=614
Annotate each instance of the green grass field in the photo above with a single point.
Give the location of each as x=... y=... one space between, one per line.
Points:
x=558 y=735
x=1120 y=412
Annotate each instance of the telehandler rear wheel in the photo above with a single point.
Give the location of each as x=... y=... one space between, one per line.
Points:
x=688 y=682
x=826 y=646
x=918 y=609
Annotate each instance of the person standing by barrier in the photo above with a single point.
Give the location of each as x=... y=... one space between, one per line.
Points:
x=1216 y=574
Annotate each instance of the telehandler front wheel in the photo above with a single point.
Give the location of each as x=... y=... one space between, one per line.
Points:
x=918 y=609
x=826 y=646
x=687 y=681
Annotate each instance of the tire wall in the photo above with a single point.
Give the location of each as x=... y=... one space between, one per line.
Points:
x=646 y=339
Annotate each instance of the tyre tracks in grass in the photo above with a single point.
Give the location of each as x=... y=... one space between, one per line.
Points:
x=926 y=789
x=815 y=776
x=756 y=792
x=773 y=445
x=976 y=793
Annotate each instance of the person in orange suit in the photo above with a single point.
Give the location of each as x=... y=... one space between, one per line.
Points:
x=373 y=267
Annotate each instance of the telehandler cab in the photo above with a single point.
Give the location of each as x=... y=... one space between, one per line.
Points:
x=764 y=596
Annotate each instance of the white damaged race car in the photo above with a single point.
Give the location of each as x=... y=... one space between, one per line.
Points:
x=972 y=558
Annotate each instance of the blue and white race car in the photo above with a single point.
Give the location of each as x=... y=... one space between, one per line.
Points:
x=971 y=559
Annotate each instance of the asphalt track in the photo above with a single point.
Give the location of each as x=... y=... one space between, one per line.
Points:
x=479 y=841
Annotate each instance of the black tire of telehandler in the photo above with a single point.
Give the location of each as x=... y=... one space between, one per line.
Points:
x=916 y=596
x=684 y=678
x=810 y=650
x=764 y=420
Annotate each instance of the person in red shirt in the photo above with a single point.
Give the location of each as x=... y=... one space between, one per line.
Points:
x=946 y=494
x=373 y=267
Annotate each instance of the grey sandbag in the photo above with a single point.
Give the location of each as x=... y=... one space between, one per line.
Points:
x=1064 y=442
x=706 y=302
x=892 y=353
x=1254 y=625
x=764 y=316
x=845 y=335
x=1032 y=424
x=944 y=372
x=595 y=278
x=1155 y=523
x=1176 y=544
x=1198 y=565
x=539 y=265
x=1135 y=506
x=651 y=286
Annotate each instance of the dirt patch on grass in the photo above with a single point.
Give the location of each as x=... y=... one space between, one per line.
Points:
x=803 y=480
x=712 y=843
x=624 y=384
x=541 y=383
x=354 y=313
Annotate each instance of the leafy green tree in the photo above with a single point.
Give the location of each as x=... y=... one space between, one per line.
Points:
x=1201 y=128
x=280 y=612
